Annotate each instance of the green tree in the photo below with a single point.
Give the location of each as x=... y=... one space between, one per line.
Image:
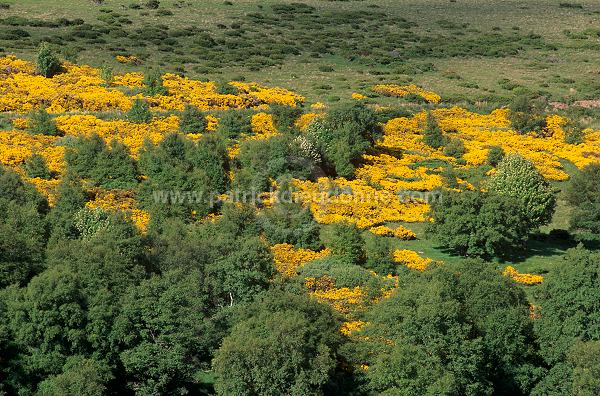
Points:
x=80 y=377
x=41 y=123
x=379 y=255
x=183 y=178
x=210 y=155
x=114 y=168
x=342 y=137
x=583 y=194
x=163 y=333
x=23 y=239
x=345 y=241
x=83 y=154
x=71 y=198
x=139 y=112
x=289 y=222
x=433 y=136
x=192 y=120
x=23 y=231
x=47 y=63
x=460 y=329
x=35 y=166
x=13 y=188
x=47 y=320
x=106 y=166
x=568 y=329
x=236 y=264
x=518 y=178
x=569 y=301
x=262 y=161
x=286 y=346
x=473 y=223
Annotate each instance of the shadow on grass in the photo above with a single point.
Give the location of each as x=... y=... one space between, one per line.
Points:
x=539 y=246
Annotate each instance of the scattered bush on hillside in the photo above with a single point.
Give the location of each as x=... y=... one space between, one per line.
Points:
x=139 y=112
x=42 y=123
x=47 y=63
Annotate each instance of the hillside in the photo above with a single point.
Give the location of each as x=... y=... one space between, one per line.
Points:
x=327 y=197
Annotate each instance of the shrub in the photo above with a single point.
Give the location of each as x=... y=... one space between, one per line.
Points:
x=527 y=113
x=153 y=4
x=455 y=148
x=154 y=83
x=234 y=123
x=289 y=222
x=192 y=120
x=433 y=136
x=494 y=156
x=47 y=63
x=284 y=117
x=225 y=88
x=345 y=241
x=139 y=112
x=35 y=166
x=573 y=133
x=263 y=161
x=114 y=167
x=41 y=123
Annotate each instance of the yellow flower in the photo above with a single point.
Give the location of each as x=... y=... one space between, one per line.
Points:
x=412 y=259
x=526 y=279
x=403 y=90
x=350 y=327
x=127 y=59
x=288 y=259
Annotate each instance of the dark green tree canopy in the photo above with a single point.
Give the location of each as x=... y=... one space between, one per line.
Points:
x=474 y=223
x=583 y=194
x=285 y=345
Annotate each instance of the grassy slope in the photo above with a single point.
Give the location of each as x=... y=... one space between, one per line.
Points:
x=472 y=77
